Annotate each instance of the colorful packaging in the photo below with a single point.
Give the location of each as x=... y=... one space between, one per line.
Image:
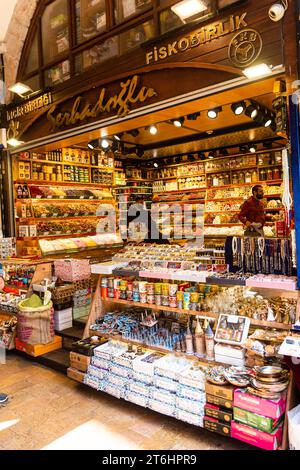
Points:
x=256 y=421
x=218 y=413
x=213 y=425
x=255 y=437
x=269 y=408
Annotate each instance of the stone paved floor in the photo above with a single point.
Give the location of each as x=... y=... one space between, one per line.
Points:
x=48 y=410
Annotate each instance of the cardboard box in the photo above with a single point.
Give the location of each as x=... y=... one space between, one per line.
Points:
x=222 y=391
x=228 y=404
x=63 y=326
x=75 y=374
x=269 y=408
x=255 y=437
x=215 y=426
x=218 y=413
x=256 y=421
x=79 y=362
x=39 y=349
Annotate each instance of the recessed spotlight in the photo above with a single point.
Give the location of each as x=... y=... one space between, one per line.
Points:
x=104 y=143
x=210 y=132
x=256 y=71
x=211 y=155
x=244 y=148
x=155 y=164
x=267 y=120
x=117 y=137
x=134 y=132
x=252 y=148
x=193 y=116
x=213 y=113
x=93 y=144
x=178 y=122
x=238 y=108
x=153 y=129
x=252 y=111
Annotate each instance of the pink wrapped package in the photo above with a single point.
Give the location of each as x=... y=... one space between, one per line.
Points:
x=72 y=269
x=255 y=437
x=269 y=408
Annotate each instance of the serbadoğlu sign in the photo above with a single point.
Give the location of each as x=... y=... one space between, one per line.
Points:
x=202 y=36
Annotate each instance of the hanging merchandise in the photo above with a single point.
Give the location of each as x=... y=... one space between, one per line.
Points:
x=287 y=200
x=262 y=256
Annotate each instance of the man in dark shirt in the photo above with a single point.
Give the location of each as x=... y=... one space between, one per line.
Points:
x=252 y=214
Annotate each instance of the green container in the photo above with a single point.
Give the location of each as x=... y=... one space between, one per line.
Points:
x=256 y=421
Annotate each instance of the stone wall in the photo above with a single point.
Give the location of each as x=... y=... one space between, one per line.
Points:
x=15 y=38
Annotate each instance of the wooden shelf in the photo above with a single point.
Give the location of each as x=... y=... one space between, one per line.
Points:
x=190 y=357
x=61 y=235
x=61 y=183
x=263 y=324
x=238 y=198
x=39 y=219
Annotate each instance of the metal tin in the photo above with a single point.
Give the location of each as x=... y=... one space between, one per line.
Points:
x=123 y=295
x=158 y=299
x=165 y=300
x=111 y=293
x=165 y=288
x=157 y=288
x=135 y=286
x=194 y=297
x=110 y=282
x=143 y=297
x=179 y=296
x=179 y=304
x=186 y=297
x=142 y=287
x=173 y=301
x=150 y=288
x=150 y=298
x=186 y=305
x=129 y=295
x=173 y=288
x=136 y=296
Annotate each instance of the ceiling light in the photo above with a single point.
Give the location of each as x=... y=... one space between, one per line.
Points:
x=188 y=8
x=153 y=130
x=244 y=148
x=20 y=89
x=257 y=71
x=117 y=137
x=104 y=144
x=252 y=148
x=15 y=142
x=211 y=155
x=155 y=165
x=213 y=113
x=134 y=132
x=193 y=116
x=209 y=132
x=252 y=110
x=178 y=122
x=93 y=144
x=267 y=121
x=238 y=108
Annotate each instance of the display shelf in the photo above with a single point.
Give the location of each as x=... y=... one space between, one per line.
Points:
x=180 y=190
x=190 y=357
x=227 y=170
x=244 y=198
x=60 y=235
x=61 y=183
x=215 y=316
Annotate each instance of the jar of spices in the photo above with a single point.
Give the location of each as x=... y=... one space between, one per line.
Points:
x=269 y=174
x=263 y=175
x=235 y=178
x=209 y=180
x=241 y=177
x=276 y=174
x=215 y=181
x=248 y=177
x=254 y=177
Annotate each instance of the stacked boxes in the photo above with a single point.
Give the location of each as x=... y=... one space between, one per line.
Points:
x=63 y=319
x=164 y=383
x=258 y=421
x=82 y=299
x=218 y=409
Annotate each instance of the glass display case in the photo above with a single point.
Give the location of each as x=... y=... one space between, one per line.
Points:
x=97 y=54
x=90 y=18
x=55 y=30
x=136 y=36
x=124 y=9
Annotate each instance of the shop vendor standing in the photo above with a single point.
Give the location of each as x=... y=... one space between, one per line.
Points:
x=252 y=213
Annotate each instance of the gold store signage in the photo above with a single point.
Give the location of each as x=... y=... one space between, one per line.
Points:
x=29 y=107
x=202 y=36
x=130 y=94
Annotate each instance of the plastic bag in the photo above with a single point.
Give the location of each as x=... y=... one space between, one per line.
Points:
x=294 y=428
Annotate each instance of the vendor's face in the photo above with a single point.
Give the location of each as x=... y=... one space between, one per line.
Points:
x=259 y=193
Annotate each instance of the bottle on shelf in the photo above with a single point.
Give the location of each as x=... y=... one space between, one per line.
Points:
x=25 y=192
x=209 y=343
x=19 y=192
x=235 y=178
x=269 y=174
x=263 y=175
x=248 y=177
x=199 y=340
x=254 y=177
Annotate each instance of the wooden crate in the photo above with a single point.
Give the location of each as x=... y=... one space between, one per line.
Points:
x=79 y=361
x=75 y=374
x=39 y=349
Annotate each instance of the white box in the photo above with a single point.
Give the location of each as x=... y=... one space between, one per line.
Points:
x=32 y=231
x=63 y=315
x=23 y=231
x=63 y=326
x=146 y=363
x=232 y=351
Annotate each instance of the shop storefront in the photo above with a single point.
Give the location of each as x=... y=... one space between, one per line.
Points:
x=186 y=125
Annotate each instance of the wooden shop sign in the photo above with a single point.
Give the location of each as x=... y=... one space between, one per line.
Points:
x=204 y=35
x=131 y=93
x=31 y=106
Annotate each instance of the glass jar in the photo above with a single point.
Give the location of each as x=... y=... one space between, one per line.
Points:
x=248 y=177
x=269 y=174
x=254 y=176
x=263 y=175
x=276 y=174
x=215 y=180
x=235 y=178
x=241 y=177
